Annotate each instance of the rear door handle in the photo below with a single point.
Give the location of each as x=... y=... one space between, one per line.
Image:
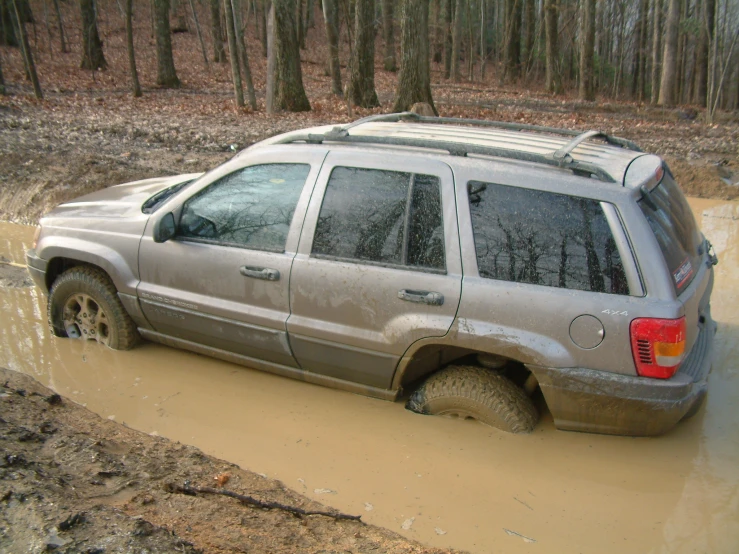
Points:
x=421 y=297
x=264 y=273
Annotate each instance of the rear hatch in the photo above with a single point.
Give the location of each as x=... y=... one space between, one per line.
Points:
x=684 y=248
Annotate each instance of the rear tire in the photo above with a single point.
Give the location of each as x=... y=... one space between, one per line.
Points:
x=471 y=392
x=84 y=304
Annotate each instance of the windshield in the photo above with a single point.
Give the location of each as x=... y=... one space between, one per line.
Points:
x=674 y=227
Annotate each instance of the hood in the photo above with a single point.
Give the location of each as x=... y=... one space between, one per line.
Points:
x=119 y=200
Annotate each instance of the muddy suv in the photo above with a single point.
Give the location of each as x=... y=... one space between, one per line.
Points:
x=471 y=263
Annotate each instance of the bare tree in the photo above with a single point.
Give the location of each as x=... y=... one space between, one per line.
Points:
x=2 y=80
x=706 y=16
x=656 y=48
x=60 y=23
x=27 y=54
x=454 y=69
x=362 y=90
x=166 y=73
x=92 y=46
x=135 y=86
x=239 y=28
x=219 y=52
x=551 y=16
x=233 y=53
x=414 y=83
x=668 y=87
x=587 y=50
x=388 y=34
x=513 y=38
x=289 y=90
x=331 y=21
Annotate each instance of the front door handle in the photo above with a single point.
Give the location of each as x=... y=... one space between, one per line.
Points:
x=421 y=296
x=264 y=273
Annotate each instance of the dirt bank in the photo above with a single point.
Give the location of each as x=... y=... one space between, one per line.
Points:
x=71 y=145
x=71 y=481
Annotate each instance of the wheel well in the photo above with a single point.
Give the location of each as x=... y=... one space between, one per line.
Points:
x=57 y=266
x=433 y=357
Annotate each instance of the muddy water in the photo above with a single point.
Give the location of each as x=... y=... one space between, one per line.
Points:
x=446 y=483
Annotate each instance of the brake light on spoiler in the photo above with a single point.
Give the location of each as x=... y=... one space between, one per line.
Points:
x=658 y=346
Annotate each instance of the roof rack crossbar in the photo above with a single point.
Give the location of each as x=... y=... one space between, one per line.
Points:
x=454 y=148
x=414 y=117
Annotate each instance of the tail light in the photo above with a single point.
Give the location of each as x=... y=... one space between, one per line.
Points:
x=658 y=346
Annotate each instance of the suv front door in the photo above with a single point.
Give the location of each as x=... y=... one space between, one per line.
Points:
x=378 y=265
x=223 y=280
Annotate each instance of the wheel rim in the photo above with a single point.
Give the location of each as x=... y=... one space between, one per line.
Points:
x=85 y=319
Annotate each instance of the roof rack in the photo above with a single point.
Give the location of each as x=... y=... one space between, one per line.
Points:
x=560 y=158
x=416 y=118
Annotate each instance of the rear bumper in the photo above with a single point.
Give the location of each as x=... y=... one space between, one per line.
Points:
x=602 y=402
x=37 y=269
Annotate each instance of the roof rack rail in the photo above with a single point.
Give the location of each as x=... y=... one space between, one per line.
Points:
x=416 y=118
x=341 y=134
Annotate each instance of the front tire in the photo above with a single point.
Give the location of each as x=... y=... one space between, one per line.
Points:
x=84 y=304
x=471 y=392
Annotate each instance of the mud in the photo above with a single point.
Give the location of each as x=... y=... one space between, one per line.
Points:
x=446 y=483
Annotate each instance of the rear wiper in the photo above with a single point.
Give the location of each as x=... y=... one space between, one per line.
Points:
x=647 y=199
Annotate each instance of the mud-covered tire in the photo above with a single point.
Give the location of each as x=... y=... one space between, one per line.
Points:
x=93 y=283
x=476 y=393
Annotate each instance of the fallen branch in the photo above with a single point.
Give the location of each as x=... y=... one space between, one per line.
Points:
x=299 y=512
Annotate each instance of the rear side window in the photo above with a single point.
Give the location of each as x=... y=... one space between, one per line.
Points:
x=544 y=238
x=674 y=227
x=377 y=216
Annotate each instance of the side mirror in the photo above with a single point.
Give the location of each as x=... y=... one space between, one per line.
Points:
x=165 y=228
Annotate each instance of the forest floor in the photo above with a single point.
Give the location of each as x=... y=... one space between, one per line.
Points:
x=89 y=133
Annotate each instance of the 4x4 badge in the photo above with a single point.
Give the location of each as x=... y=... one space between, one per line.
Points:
x=614 y=312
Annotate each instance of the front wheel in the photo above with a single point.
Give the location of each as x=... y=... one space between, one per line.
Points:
x=471 y=392
x=84 y=304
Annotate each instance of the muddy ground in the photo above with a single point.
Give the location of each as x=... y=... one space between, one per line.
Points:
x=71 y=481
x=63 y=148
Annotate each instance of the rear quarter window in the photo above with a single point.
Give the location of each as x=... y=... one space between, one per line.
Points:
x=543 y=238
x=675 y=229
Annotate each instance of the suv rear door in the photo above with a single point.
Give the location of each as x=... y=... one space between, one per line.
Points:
x=378 y=265
x=223 y=280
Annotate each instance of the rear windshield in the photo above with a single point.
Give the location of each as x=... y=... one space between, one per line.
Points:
x=673 y=224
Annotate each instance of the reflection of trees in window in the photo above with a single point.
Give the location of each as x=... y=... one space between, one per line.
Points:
x=365 y=216
x=543 y=238
x=252 y=207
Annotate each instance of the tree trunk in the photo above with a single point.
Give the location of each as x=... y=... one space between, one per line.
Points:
x=26 y=50
x=513 y=42
x=551 y=15
x=448 y=40
x=264 y=15
x=289 y=91
x=233 y=53
x=219 y=53
x=414 y=84
x=166 y=74
x=363 y=57
x=656 y=49
x=269 y=27
x=668 y=88
x=331 y=21
x=200 y=34
x=135 y=86
x=2 y=80
x=587 y=47
x=388 y=34
x=454 y=71
x=62 y=38
x=706 y=17
x=239 y=28
x=530 y=33
x=300 y=23
x=92 y=46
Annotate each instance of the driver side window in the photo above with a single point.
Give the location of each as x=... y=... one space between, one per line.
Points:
x=251 y=208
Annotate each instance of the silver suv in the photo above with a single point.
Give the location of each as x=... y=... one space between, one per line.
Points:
x=471 y=263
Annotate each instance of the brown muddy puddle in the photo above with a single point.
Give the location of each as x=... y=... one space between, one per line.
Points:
x=443 y=482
